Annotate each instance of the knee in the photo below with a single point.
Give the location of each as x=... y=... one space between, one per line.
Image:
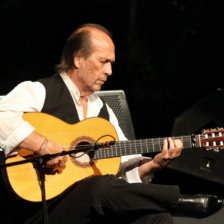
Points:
x=99 y=186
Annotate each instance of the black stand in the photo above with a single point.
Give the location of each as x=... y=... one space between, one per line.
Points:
x=40 y=166
x=39 y=163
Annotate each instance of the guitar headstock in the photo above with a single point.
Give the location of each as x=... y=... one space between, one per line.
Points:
x=212 y=139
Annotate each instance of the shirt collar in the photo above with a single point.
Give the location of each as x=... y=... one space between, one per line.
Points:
x=74 y=91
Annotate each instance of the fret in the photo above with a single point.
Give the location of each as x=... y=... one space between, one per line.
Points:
x=150 y=146
x=182 y=139
x=122 y=152
x=157 y=145
x=98 y=154
x=153 y=147
x=158 y=140
x=109 y=152
x=125 y=151
x=147 y=144
x=187 y=141
x=128 y=148
x=104 y=153
x=161 y=144
x=122 y=148
x=115 y=149
x=140 y=145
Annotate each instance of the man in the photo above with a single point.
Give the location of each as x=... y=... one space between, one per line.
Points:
x=85 y=66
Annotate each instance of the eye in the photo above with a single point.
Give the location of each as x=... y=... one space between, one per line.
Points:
x=106 y=61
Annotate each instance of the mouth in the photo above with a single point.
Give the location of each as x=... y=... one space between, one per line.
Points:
x=102 y=81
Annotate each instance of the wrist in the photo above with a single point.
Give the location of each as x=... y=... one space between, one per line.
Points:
x=43 y=146
x=155 y=164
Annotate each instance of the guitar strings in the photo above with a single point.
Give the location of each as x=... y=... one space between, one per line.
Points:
x=139 y=142
x=124 y=147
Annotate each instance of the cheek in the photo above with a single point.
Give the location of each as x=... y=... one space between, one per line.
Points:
x=94 y=73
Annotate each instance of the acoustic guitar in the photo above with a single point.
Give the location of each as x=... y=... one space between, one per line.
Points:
x=96 y=161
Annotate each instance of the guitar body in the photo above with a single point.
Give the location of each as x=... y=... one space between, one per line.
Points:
x=23 y=178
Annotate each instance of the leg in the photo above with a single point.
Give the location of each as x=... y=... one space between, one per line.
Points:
x=103 y=198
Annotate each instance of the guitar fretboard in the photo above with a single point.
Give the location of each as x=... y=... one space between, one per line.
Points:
x=140 y=146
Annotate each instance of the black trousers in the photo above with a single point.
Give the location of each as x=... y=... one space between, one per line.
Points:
x=101 y=199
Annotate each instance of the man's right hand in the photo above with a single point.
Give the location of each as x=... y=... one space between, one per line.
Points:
x=57 y=164
x=35 y=142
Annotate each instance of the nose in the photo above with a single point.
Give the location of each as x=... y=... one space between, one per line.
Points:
x=108 y=69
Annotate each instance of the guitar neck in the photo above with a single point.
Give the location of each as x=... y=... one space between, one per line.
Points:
x=142 y=146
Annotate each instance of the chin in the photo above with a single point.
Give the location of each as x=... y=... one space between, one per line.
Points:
x=96 y=88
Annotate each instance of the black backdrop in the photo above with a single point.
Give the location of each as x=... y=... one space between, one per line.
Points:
x=169 y=52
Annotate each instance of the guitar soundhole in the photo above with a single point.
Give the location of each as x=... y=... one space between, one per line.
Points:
x=82 y=159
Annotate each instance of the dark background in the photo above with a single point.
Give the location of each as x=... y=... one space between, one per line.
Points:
x=169 y=53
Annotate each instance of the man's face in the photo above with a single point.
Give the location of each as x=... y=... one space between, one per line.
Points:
x=94 y=70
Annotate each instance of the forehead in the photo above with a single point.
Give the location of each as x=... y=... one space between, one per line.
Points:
x=102 y=45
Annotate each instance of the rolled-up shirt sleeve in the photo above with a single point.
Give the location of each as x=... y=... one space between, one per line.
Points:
x=26 y=97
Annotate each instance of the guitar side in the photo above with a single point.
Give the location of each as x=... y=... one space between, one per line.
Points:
x=23 y=178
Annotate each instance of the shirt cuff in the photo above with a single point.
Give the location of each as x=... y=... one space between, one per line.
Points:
x=129 y=168
x=132 y=176
x=16 y=137
x=130 y=172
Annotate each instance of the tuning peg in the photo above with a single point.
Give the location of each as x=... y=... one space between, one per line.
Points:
x=212 y=149
x=216 y=149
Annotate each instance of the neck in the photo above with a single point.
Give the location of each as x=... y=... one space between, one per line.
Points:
x=84 y=92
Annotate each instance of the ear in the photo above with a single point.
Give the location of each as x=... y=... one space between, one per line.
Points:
x=77 y=61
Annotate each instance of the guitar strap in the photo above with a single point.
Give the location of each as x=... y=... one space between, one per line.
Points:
x=59 y=102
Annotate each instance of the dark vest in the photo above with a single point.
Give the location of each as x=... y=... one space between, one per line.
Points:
x=59 y=102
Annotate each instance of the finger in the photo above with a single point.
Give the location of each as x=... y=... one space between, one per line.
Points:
x=165 y=146
x=179 y=144
x=65 y=159
x=53 y=163
x=57 y=170
x=178 y=147
x=171 y=147
x=61 y=164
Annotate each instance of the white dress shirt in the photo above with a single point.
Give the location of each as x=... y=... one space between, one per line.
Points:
x=30 y=96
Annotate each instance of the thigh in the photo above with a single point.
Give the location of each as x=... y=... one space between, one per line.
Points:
x=108 y=198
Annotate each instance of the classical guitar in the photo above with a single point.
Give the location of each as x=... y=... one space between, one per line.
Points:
x=24 y=179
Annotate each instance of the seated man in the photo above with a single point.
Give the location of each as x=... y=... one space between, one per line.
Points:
x=85 y=66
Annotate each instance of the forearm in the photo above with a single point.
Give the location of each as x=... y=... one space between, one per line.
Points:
x=171 y=150
x=146 y=167
x=41 y=145
x=32 y=142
